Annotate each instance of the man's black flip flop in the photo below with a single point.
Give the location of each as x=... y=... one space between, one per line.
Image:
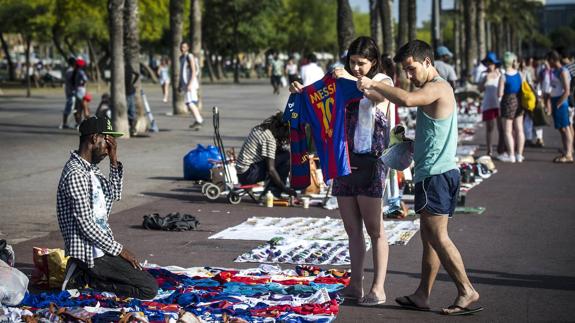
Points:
x=407 y=303
x=461 y=310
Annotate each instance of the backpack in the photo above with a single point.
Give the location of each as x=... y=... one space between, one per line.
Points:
x=528 y=98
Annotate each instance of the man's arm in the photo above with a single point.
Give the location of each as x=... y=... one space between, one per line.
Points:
x=275 y=176
x=566 y=87
x=422 y=97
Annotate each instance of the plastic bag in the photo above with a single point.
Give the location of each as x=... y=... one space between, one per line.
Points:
x=49 y=267
x=199 y=161
x=13 y=285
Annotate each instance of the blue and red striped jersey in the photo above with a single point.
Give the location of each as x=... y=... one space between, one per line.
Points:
x=321 y=105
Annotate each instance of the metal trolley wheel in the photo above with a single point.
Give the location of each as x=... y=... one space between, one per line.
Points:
x=234 y=198
x=213 y=191
x=205 y=187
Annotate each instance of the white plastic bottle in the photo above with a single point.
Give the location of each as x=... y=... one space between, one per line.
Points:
x=269 y=199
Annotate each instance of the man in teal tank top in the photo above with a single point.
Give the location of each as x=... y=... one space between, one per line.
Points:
x=436 y=173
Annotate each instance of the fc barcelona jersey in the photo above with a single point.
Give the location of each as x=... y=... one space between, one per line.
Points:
x=322 y=105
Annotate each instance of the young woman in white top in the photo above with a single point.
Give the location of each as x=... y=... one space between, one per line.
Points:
x=164 y=77
x=488 y=84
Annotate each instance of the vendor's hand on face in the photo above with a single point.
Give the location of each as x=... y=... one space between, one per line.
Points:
x=296 y=87
x=112 y=149
x=129 y=257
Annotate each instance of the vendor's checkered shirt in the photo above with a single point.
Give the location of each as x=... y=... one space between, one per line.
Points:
x=75 y=210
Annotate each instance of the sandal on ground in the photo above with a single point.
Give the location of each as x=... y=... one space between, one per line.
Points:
x=458 y=310
x=407 y=303
x=563 y=160
x=370 y=300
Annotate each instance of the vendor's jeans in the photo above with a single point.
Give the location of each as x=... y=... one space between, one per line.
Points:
x=530 y=130
x=258 y=172
x=115 y=274
x=392 y=194
x=131 y=102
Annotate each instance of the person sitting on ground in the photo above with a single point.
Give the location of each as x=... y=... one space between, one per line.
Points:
x=84 y=202
x=263 y=155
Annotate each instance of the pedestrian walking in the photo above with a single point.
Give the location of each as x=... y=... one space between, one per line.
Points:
x=311 y=72
x=276 y=72
x=509 y=91
x=292 y=70
x=69 y=92
x=436 y=173
x=83 y=98
x=164 y=77
x=488 y=84
x=189 y=84
x=559 y=95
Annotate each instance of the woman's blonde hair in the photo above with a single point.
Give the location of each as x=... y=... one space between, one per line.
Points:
x=509 y=59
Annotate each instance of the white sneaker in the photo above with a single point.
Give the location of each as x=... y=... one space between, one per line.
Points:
x=506 y=158
x=519 y=158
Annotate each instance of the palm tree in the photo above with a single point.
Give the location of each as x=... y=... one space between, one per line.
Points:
x=118 y=87
x=196 y=35
x=176 y=27
x=375 y=22
x=471 y=36
x=435 y=24
x=412 y=18
x=402 y=35
x=457 y=50
x=132 y=55
x=387 y=25
x=481 y=44
x=345 y=28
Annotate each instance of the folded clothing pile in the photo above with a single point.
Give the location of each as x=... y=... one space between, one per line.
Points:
x=171 y=222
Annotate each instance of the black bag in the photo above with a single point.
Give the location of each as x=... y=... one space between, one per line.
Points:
x=363 y=169
x=540 y=118
x=171 y=222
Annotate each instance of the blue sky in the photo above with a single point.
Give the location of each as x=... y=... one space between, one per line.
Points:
x=424 y=7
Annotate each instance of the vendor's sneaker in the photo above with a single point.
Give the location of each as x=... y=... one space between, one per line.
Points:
x=519 y=158
x=506 y=158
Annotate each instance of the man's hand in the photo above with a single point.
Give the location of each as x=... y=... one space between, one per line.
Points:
x=129 y=257
x=364 y=83
x=296 y=87
x=112 y=150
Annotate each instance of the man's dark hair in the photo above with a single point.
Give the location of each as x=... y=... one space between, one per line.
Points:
x=553 y=56
x=278 y=127
x=417 y=49
x=311 y=58
x=71 y=61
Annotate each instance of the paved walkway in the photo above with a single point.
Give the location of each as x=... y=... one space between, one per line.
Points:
x=518 y=253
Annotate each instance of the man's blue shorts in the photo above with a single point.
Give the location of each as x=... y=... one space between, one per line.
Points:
x=437 y=194
x=560 y=113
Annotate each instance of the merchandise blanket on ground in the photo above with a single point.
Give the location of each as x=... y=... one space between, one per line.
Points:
x=263 y=294
x=298 y=240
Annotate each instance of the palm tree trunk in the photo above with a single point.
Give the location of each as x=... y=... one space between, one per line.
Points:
x=27 y=73
x=456 y=36
x=132 y=54
x=387 y=25
x=118 y=87
x=402 y=33
x=345 y=27
x=435 y=23
x=482 y=48
x=375 y=22
x=488 y=36
x=412 y=18
x=11 y=68
x=471 y=41
x=463 y=30
x=196 y=34
x=176 y=27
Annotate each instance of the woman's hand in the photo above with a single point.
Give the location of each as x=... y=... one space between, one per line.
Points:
x=296 y=87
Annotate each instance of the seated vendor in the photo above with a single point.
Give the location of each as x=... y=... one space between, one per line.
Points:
x=84 y=202
x=264 y=155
